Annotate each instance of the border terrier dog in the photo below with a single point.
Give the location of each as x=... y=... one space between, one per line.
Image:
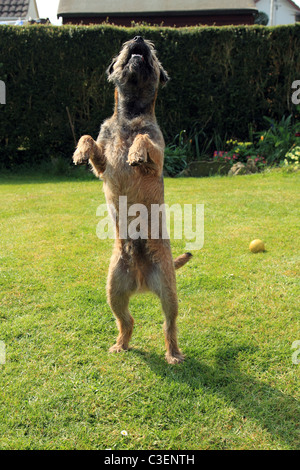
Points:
x=128 y=156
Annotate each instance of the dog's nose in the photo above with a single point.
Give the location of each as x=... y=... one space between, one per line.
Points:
x=138 y=39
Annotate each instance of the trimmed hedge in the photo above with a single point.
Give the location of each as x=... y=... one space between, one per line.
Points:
x=222 y=79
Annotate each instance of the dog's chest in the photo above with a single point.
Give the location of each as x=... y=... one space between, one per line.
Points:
x=117 y=149
x=119 y=174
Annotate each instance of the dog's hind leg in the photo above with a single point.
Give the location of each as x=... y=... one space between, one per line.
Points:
x=163 y=283
x=120 y=285
x=119 y=306
x=170 y=307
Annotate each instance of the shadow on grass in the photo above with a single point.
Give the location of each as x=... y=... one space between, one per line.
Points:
x=275 y=411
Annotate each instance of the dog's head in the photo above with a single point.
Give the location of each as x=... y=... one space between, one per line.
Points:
x=137 y=66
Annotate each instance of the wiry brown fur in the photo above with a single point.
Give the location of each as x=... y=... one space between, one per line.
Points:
x=128 y=155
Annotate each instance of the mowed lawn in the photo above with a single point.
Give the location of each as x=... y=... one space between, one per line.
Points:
x=239 y=316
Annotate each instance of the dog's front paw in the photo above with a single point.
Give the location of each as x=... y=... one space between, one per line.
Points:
x=137 y=154
x=84 y=150
x=135 y=159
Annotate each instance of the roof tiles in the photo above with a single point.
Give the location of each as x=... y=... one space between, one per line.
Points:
x=14 y=8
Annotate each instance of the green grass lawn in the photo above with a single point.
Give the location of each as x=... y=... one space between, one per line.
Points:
x=239 y=315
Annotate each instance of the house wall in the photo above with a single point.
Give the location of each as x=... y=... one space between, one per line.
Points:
x=284 y=13
x=33 y=11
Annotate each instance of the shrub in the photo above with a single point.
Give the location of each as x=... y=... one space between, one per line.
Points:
x=292 y=158
x=176 y=155
x=233 y=156
x=222 y=79
x=275 y=142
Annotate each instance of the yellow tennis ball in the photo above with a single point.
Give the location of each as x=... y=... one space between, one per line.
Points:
x=256 y=246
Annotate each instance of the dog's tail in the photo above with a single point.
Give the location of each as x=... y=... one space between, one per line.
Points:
x=182 y=259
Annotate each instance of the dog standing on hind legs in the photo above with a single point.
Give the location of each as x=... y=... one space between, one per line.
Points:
x=128 y=155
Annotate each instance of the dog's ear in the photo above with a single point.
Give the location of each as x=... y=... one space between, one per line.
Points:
x=164 y=77
x=110 y=69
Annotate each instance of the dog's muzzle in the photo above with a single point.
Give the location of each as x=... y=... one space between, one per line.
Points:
x=138 y=51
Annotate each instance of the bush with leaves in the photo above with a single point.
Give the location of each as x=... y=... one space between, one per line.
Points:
x=222 y=79
x=292 y=159
x=177 y=154
x=278 y=139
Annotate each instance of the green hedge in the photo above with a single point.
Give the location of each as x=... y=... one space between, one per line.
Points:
x=222 y=79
